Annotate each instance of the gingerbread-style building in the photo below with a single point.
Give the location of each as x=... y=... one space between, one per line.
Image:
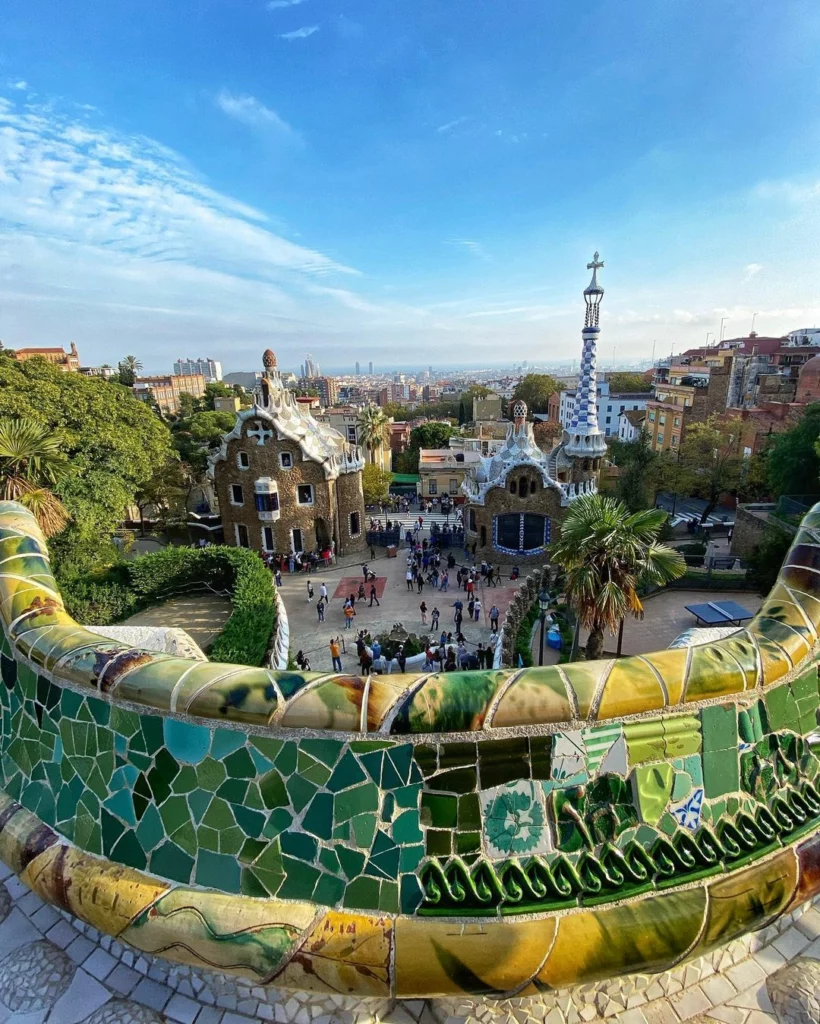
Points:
x=517 y=498
x=284 y=481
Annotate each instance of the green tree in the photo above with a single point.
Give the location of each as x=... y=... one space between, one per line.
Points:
x=112 y=441
x=794 y=457
x=768 y=557
x=129 y=368
x=535 y=389
x=375 y=484
x=635 y=487
x=607 y=553
x=195 y=436
x=31 y=463
x=165 y=492
x=623 y=381
x=426 y=435
x=710 y=461
x=398 y=413
x=373 y=429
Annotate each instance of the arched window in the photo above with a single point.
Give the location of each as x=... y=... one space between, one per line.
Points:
x=523 y=487
x=513 y=487
x=520 y=533
x=483 y=536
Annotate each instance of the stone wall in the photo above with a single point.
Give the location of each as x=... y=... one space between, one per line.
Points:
x=316 y=521
x=519 y=606
x=751 y=523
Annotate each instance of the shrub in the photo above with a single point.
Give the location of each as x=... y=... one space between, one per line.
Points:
x=128 y=586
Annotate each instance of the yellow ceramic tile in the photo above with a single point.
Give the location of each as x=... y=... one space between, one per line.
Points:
x=671 y=666
x=681 y=735
x=441 y=958
x=631 y=687
x=586 y=679
x=783 y=606
x=713 y=673
x=346 y=954
x=537 y=695
x=233 y=934
x=808 y=602
x=748 y=899
x=743 y=650
x=19 y=829
x=333 y=705
x=645 y=741
x=648 y=935
x=382 y=696
x=106 y=895
x=778 y=632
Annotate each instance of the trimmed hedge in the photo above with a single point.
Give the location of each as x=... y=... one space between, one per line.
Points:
x=126 y=588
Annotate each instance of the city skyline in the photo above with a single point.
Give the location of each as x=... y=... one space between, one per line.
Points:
x=404 y=182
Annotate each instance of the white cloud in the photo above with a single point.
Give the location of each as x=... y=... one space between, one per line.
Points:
x=751 y=270
x=19 y=86
x=300 y=33
x=792 y=190
x=472 y=247
x=444 y=129
x=275 y=5
x=250 y=111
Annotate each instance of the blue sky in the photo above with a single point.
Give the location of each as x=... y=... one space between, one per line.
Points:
x=410 y=182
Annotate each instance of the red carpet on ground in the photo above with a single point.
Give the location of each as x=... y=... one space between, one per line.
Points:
x=350 y=585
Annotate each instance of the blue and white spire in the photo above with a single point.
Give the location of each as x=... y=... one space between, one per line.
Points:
x=583 y=438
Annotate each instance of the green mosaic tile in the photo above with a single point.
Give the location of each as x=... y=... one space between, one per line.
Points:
x=174 y=813
x=411 y=857
x=467 y=843
x=124 y=722
x=251 y=849
x=389 y=898
x=300 y=792
x=152 y=732
x=456 y=780
x=169 y=861
x=279 y=820
x=285 y=760
x=233 y=790
x=329 y=890
x=122 y=804
x=150 y=830
x=251 y=822
x=297 y=844
x=406 y=828
x=261 y=763
x=411 y=894
x=326 y=751
x=266 y=746
x=186 y=838
x=199 y=801
x=272 y=790
x=318 y=818
x=439 y=842
x=782 y=710
x=311 y=769
x=127 y=850
x=216 y=871
x=226 y=741
x=439 y=811
x=426 y=757
x=207 y=838
x=329 y=859
x=362 y=894
x=300 y=880
x=210 y=774
x=219 y=815
x=355 y=801
x=668 y=825
x=253 y=798
x=364 y=827
x=721 y=772
x=408 y=796
x=384 y=857
x=348 y=772
x=720 y=730
x=350 y=861
x=388 y=807
x=239 y=764
x=160 y=788
x=112 y=829
x=186 y=781
x=249 y=885
x=230 y=840
x=469 y=812
x=501 y=761
x=187 y=742
x=682 y=785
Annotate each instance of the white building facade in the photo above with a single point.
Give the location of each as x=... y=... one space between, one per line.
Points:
x=210 y=369
x=609 y=407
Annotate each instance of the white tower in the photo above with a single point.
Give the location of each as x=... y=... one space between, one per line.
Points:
x=583 y=438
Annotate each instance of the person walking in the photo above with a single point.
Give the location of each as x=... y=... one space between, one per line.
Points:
x=365 y=571
x=434 y=618
x=459 y=606
x=477 y=608
x=494 y=618
x=420 y=582
x=470 y=606
x=350 y=611
x=401 y=658
x=373 y=596
x=423 y=610
x=336 y=654
x=278 y=577
x=323 y=593
x=458 y=620
x=445 y=582
x=320 y=610
x=409 y=577
x=372 y=553
x=309 y=591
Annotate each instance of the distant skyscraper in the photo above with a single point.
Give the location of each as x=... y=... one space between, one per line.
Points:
x=210 y=369
x=430 y=370
x=358 y=368
x=370 y=367
x=310 y=369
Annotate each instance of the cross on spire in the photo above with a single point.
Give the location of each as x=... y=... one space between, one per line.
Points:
x=596 y=263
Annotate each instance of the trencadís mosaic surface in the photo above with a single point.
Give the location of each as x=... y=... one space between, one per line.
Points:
x=491 y=832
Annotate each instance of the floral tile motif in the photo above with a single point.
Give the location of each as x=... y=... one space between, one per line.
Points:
x=569 y=765
x=688 y=811
x=514 y=820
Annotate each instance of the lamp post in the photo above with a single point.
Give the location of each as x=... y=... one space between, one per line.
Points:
x=544 y=600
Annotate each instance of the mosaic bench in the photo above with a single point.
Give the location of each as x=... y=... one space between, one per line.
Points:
x=499 y=833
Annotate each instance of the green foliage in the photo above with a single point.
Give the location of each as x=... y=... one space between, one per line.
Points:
x=195 y=435
x=427 y=435
x=794 y=458
x=523 y=649
x=375 y=484
x=607 y=554
x=112 y=441
x=372 y=429
x=535 y=389
x=129 y=367
x=710 y=463
x=126 y=587
x=624 y=381
x=767 y=558
x=635 y=486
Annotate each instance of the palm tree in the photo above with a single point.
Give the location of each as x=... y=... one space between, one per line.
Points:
x=129 y=367
x=373 y=429
x=607 y=552
x=31 y=462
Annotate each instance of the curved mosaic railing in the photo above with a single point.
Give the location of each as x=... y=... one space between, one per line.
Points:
x=492 y=832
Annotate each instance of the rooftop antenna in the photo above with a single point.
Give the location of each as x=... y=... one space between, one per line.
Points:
x=654 y=341
x=753 y=324
x=723 y=320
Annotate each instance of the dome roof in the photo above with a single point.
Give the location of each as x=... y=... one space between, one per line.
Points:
x=269 y=359
x=808 y=383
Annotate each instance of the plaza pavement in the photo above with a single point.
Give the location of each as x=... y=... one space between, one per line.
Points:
x=397 y=604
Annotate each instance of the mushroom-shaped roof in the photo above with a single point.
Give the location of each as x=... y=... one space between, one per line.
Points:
x=808 y=383
x=520 y=409
x=269 y=359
